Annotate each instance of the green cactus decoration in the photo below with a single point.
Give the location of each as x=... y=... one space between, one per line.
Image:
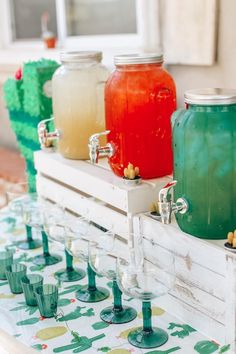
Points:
x=78 y=344
x=184 y=331
x=77 y=313
x=28 y=101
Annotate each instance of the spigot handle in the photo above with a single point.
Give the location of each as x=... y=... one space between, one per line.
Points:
x=163 y=194
x=95 y=150
x=42 y=127
x=95 y=137
x=42 y=131
x=46 y=120
x=45 y=137
x=166 y=206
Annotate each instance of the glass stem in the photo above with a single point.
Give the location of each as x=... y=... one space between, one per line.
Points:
x=117 y=294
x=147 y=316
x=69 y=261
x=91 y=278
x=45 y=243
x=28 y=233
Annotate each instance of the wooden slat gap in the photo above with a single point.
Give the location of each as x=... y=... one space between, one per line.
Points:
x=196 y=309
x=207 y=243
x=178 y=254
x=73 y=189
x=187 y=282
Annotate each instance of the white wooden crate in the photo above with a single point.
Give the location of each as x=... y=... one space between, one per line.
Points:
x=94 y=191
x=205 y=289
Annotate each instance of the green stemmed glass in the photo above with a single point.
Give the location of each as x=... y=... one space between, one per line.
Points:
x=145 y=281
x=102 y=258
x=77 y=237
x=55 y=228
x=15 y=199
x=33 y=209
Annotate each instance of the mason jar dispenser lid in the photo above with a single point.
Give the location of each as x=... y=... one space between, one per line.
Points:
x=80 y=56
x=138 y=58
x=210 y=96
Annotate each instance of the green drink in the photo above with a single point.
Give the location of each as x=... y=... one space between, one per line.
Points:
x=204 y=144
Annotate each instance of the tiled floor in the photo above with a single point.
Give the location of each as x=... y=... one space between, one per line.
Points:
x=12 y=171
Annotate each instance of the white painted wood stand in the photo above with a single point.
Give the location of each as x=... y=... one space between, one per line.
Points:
x=205 y=290
x=94 y=191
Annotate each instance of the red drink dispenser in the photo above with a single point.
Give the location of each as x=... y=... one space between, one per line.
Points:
x=139 y=100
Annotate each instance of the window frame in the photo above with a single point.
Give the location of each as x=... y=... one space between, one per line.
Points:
x=107 y=42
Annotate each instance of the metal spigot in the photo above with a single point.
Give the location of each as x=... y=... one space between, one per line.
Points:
x=95 y=151
x=167 y=206
x=47 y=138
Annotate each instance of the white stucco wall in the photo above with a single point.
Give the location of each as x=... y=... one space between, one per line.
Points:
x=223 y=73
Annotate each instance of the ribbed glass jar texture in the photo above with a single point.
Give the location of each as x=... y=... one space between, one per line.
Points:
x=78 y=102
x=139 y=101
x=204 y=144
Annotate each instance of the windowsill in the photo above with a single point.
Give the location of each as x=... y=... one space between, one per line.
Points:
x=12 y=58
x=19 y=52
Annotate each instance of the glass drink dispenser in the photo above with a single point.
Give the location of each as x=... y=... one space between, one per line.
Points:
x=78 y=103
x=139 y=100
x=204 y=145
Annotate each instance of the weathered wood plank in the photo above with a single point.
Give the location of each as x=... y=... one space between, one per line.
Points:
x=205 y=290
x=193 y=274
x=190 y=315
x=192 y=249
x=99 y=182
x=206 y=303
x=93 y=209
x=199 y=295
x=230 y=291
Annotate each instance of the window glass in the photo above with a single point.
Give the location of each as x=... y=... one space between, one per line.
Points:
x=92 y=17
x=26 y=17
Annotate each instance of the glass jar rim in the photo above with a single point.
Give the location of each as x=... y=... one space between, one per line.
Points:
x=210 y=96
x=80 y=56
x=138 y=58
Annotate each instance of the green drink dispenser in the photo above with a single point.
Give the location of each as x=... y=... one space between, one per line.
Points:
x=204 y=145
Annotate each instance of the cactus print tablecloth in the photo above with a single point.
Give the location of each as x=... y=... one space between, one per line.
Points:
x=78 y=327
